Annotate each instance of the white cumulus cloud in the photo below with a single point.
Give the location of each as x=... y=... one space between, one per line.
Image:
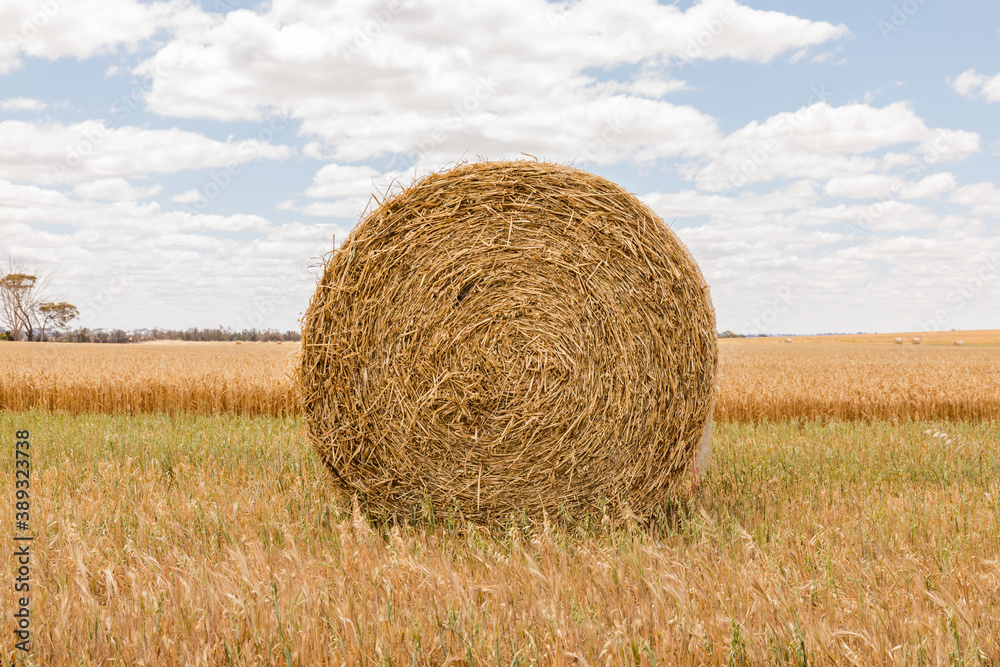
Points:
x=77 y=28
x=823 y=142
x=972 y=84
x=192 y=196
x=115 y=189
x=373 y=78
x=982 y=198
x=46 y=153
x=22 y=104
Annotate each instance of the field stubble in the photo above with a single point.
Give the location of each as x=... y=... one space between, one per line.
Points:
x=218 y=540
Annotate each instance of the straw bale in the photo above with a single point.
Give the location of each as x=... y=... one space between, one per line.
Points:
x=506 y=337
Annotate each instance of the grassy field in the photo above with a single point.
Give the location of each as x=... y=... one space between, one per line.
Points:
x=758 y=379
x=192 y=540
x=851 y=516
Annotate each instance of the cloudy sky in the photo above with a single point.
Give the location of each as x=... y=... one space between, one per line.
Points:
x=832 y=166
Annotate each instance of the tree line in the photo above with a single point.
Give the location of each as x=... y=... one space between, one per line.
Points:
x=194 y=334
x=28 y=313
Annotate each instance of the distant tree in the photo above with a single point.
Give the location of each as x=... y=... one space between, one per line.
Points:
x=23 y=305
x=58 y=315
x=14 y=290
x=22 y=290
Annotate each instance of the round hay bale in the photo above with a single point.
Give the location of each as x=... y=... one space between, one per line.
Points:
x=506 y=337
x=916 y=341
x=788 y=340
x=959 y=343
x=899 y=341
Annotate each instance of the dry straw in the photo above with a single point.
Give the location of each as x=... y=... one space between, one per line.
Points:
x=506 y=337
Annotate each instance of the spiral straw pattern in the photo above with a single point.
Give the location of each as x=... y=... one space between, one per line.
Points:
x=506 y=337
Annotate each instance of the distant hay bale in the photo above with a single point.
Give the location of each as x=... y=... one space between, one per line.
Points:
x=916 y=341
x=506 y=337
x=959 y=343
x=899 y=341
x=239 y=342
x=788 y=340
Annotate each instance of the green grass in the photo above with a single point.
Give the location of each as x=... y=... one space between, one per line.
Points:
x=220 y=540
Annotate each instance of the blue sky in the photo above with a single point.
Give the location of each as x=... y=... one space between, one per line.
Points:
x=831 y=166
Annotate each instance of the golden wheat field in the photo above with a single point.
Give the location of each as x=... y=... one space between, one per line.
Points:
x=758 y=379
x=202 y=378
x=972 y=337
x=851 y=516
